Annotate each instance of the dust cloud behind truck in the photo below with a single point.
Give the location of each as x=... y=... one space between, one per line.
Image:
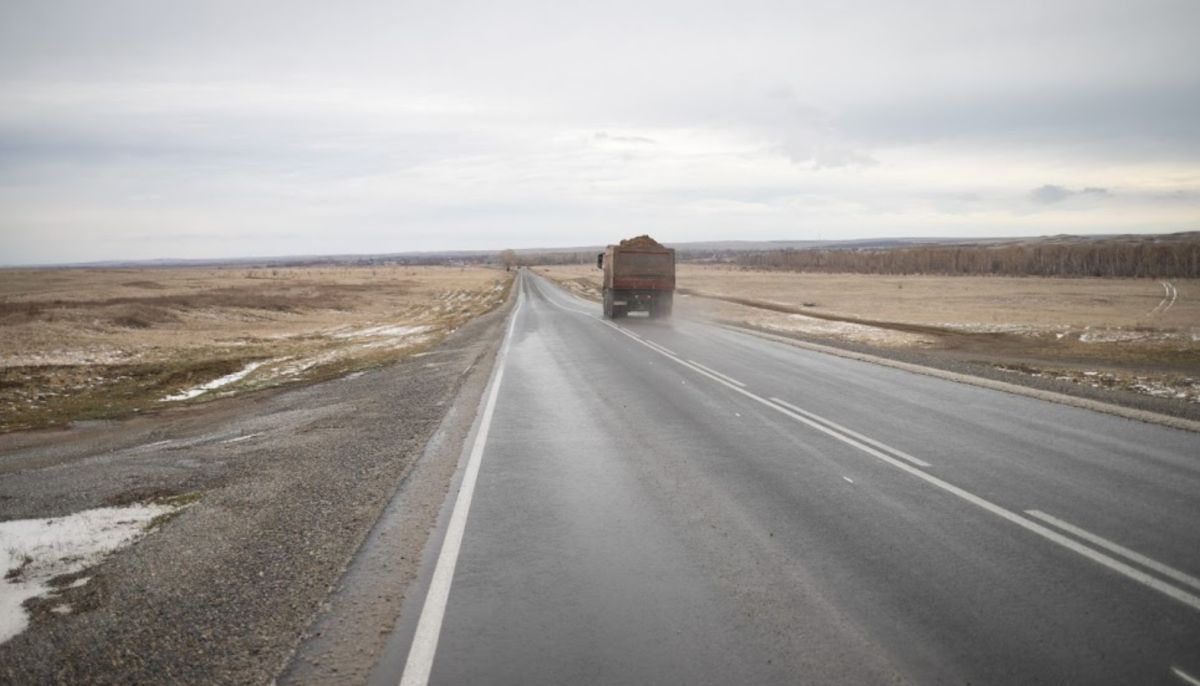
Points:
x=639 y=276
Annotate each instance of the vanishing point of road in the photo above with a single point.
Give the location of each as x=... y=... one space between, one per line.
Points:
x=649 y=502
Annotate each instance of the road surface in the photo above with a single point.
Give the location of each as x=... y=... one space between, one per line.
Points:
x=677 y=503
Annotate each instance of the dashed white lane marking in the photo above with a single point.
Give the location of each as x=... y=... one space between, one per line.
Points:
x=156 y=444
x=1024 y=522
x=982 y=503
x=1185 y=677
x=865 y=439
x=1121 y=550
x=239 y=439
x=429 y=625
x=710 y=370
x=848 y=479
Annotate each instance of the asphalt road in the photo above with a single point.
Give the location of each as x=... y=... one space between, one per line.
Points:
x=677 y=503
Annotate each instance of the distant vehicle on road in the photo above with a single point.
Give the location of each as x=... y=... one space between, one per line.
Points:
x=639 y=276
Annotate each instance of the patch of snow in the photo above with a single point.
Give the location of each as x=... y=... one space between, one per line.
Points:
x=850 y=330
x=1124 y=336
x=215 y=383
x=1112 y=336
x=384 y=330
x=34 y=551
x=990 y=327
x=304 y=365
x=392 y=342
x=65 y=358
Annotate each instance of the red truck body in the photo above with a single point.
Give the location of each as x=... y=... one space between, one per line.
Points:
x=639 y=275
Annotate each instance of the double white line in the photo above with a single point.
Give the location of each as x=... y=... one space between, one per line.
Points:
x=915 y=466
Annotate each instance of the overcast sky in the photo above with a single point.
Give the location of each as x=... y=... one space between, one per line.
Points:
x=206 y=129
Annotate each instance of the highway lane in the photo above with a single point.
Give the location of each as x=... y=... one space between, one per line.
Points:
x=679 y=503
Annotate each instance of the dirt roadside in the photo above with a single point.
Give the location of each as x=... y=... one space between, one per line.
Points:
x=353 y=630
x=80 y=344
x=289 y=484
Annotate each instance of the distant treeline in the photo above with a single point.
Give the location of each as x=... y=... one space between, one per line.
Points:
x=1174 y=259
x=553 y=258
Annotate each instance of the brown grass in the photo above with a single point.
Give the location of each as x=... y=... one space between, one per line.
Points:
x=98 y=343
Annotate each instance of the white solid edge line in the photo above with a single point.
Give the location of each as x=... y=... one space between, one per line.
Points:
x=429 y=626
x=1187 y=678
x=710 y=370
x=850 y=432
x=1023 y=522
x=1149 y=563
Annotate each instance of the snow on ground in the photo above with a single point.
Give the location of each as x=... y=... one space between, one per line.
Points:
x=66 y=358
x=1119 y=336
x=378 y=337
x=390 y=331
x=850 y=330
x=215 y=383
x=34 y=551
x=1180 y=388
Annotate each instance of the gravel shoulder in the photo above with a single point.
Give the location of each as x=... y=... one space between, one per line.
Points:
x=288 y=485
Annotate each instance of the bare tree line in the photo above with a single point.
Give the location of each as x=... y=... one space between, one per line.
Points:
x=547 y=257
x=1175 y=259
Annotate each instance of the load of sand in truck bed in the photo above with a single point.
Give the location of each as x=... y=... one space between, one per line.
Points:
x=642 y=241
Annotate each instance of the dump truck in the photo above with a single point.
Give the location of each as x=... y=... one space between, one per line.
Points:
x=639 y=276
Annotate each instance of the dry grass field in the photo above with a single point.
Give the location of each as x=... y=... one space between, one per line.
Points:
x=98 y=343
x=1137 y=334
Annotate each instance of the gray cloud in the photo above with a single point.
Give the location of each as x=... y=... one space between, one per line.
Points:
x=298 y=126
x=605 y=136
x=1050 y=194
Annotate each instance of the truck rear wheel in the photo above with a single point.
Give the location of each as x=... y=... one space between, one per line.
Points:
x=608 y=303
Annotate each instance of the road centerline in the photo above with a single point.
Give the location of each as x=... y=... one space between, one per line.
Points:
x=1013 y=517
x=850 y=432
x=710 y=370
x=1185 y=677
x=1133 y=556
